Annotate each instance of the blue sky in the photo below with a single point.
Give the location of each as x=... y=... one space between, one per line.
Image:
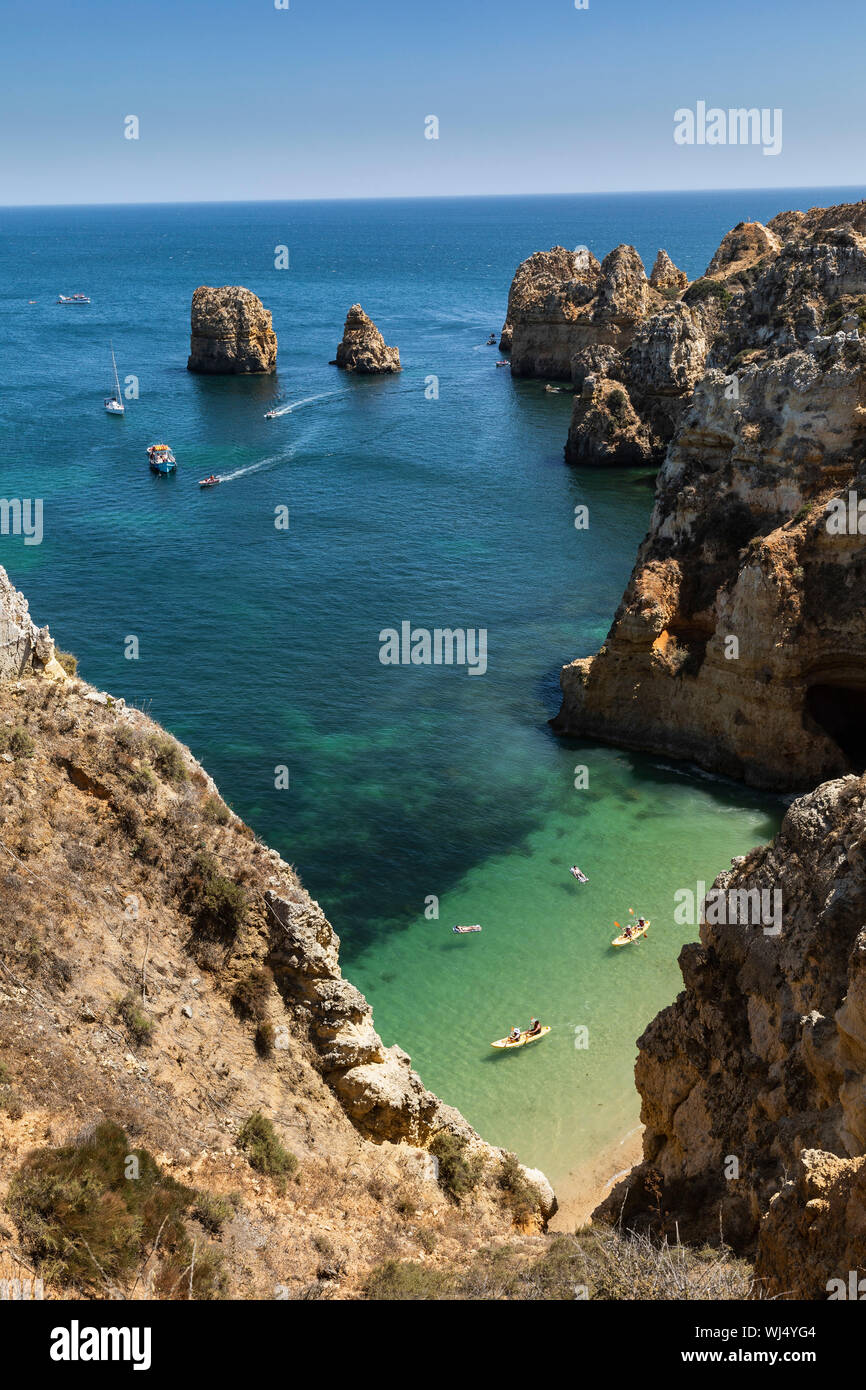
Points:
x=239 y=100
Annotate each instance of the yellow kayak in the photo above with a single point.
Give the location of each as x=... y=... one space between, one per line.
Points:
x=523 y=1039
x=635 y=936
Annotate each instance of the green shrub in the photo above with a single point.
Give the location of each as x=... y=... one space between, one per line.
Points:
x=251 y=996
x=458 y=1175
x=617 y=403
x=218 y=903
x=21 y=745
x=138 y=1025
x=211 y=1211
x=67 y=661
x=404 y=1281
x=520 y=1196
x=216 y=811
x=89 y=1216
x=261 y=1144
x=142 y=780
x=167 y=758
x=701 y=290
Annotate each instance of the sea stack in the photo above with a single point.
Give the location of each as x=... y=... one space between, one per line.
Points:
x=230 y=332
x=363 y=349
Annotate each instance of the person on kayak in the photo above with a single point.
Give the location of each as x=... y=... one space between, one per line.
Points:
x=514 y=1035
x=534 y=1027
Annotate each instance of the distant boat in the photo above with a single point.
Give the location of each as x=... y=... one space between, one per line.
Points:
x=210 y=482
x=271 y=414
x=114 y=404
x=162 y=460
x=72 y=299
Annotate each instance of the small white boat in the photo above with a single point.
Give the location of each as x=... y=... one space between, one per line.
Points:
x=114 y=404
x=271 y=414
x=72 y=299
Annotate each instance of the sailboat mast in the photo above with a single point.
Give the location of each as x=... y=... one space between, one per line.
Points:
x=116 y=381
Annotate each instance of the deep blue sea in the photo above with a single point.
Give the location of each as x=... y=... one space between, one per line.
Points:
x=259 y=647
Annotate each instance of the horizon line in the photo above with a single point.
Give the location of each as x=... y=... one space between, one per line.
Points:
x=441 y=197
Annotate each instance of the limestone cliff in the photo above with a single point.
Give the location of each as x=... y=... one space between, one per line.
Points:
x=753 y=1083
x=740 y=642
x=613 y=334
x=230 y=332
x=163 y=969
x=362 y=348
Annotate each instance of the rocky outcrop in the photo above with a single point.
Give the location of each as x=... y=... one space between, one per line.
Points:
x=363 y=349
x=762 y=1058
x=813 y=1239
x=665 y=275
x=23 y=645
x=230 y=332
x=740 y=641
x=570 y=317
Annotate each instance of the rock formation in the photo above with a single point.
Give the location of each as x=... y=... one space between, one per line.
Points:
x=665 y=275
x=363 y=349
x=23 y=646
x=740 y=642
x=753 y=1083
x=570 y=317
x=230 y=332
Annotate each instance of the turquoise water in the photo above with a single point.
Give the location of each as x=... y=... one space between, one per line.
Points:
x=259 y=647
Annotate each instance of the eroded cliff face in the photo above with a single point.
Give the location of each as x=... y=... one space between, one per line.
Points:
x=740 y=642
x=23 y=645
x=762 y=1059
x=362 y=348
x=230 y=332
x=627 y=343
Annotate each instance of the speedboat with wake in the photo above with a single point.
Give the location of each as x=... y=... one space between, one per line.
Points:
x=162 y=460
x=210 y=482
x=271 y=414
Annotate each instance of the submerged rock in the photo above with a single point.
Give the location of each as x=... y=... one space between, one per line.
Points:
x=363 y=349
x=230 y=332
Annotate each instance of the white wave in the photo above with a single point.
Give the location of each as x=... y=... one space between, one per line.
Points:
x=255 y=467
x=308 y=400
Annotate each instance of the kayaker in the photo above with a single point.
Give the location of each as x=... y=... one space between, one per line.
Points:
x=534 y=1027
x=514 y=1035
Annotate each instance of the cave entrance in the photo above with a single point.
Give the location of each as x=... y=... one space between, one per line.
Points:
x=840 y=710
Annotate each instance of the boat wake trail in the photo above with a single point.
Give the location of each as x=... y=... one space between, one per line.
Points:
x=256 y=467
x=308 y=400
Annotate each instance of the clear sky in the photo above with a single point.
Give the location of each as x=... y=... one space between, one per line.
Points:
x=237 y=99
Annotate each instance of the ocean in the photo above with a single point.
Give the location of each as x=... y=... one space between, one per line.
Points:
x=437 y=497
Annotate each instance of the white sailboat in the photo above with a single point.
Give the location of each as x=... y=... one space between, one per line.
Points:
x=114 y=404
